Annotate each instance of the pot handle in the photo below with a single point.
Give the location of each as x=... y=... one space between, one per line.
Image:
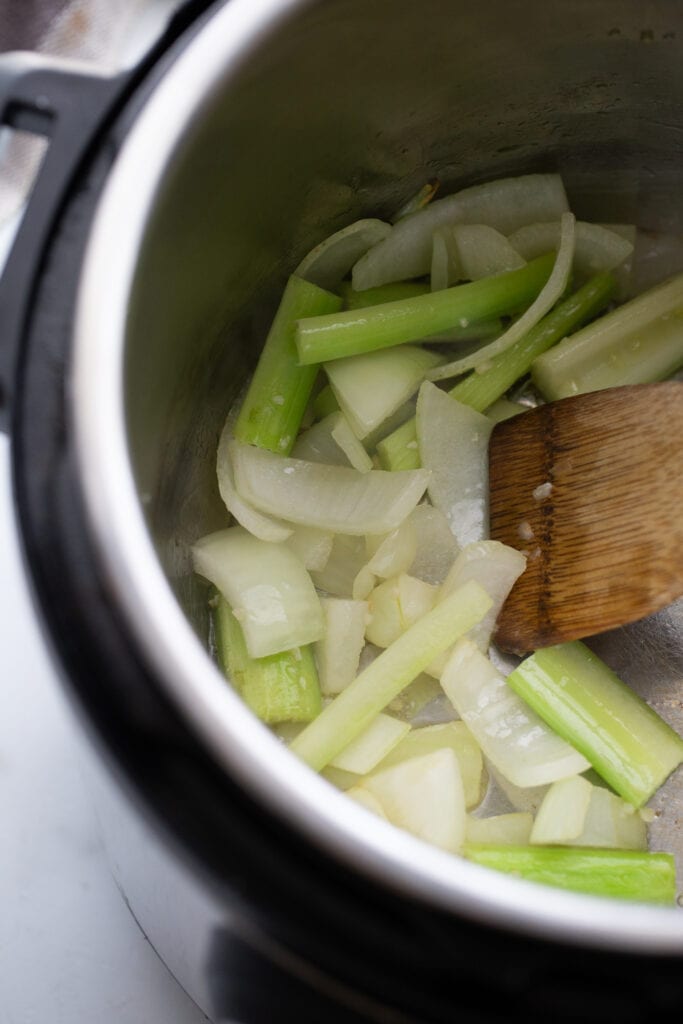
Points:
x=61 y=100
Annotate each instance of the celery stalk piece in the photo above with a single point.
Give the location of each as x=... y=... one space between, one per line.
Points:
x=511 y=829
x=330 y=261
x=371 y=387
x=322 y=338
x=377 y=296
x=624 y=874
x=278 y=688
x=337 y=653
x=324 y=403
x=416 y=202
x=366 y=752
x=510 y=734
x=271 y=594
x=625 y=740
x=638 y=343
x=505 y=204
x=456 y=737
x=552 y=292
x=354 y=709
x=278 y=394
x=333 y=442
x=334 y=498
x=481 y=390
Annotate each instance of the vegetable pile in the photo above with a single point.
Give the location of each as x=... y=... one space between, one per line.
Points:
x=357 y=591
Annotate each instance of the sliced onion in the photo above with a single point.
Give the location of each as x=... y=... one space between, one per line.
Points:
x=505 y=204
x=311 y=545
x=453 y=444
x=597 y=247
x=389 y=556
x=371 y=387
x=542 y=304
x=329 y=497
x=270 y=593
x=262 y=526
x=347 y=558
x=436 y=545
x=509 y=733
x=333 y=442
x=500 y=829
x=482 y=251
x=338 y=652
x=329 y=262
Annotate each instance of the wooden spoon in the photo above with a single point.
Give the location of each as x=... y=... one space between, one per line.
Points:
x=591 y=488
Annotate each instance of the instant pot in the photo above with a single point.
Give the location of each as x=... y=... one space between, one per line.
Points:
x=171 y=205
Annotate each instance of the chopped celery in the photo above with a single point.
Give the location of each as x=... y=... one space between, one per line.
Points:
x=456 y=737
x=436 y=545
x=278 y=394
x=353 y=710
x=480 y=390
x=511 y=829
x=552 y=291
x=330 y=261
x=278 y=688
x=335 y=336
x=368 y=749
x=624 y=739
x=637 y=343
x=576 y=813
x=385 y=293
x=625 y=874
x=338 y=651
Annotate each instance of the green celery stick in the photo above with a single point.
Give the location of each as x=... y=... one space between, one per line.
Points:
x=625 y=874
x=279 y=688
x=322 y=338
x=480 y=390
x=352 y=711
x=638 y=343
x=383 y=293
x=278 y=394
x=625 y=740
x=324 y=403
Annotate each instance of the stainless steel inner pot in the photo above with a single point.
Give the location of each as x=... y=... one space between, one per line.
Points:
x=282 y=121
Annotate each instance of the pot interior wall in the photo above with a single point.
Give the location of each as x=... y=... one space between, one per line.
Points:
x=344 y=108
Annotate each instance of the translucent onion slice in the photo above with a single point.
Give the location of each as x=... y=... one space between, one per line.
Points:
x=562 y=815
x=452 y=735
x=333 y=442
x=425 y=797
x=483 y=251
x=337 y=653
x=510 y=734
x=505 y=204
x=445 y=268
x=416 y=202
x=513 y=829
x=611 y=822
x=347 y=558
x=597 y=248
x=270 y=593
x=392 y=554
x=395 y=605
x=453 y=444
x=329 y=262
x=542 y=304
x=312 y=546
x=329 y=497
x=366 y=752
x=371 y=387
x=262 y=526
x=436 y=545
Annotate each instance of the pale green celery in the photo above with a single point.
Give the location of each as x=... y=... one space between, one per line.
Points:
x=279 y=391
x=624 y=874
x=638 y=343
x=624 y=739
x=383 y=293
x=349 y=714
x=353 y=332
x=279 y=688
x=324 y=403
x=480 y=390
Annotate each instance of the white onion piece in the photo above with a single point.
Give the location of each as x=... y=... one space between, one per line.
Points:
x=611 y=822
x=333 y=442
x=482 y=251
x=347 y=558
x=597 y=248
x=436 y=545
x=267 y=587
x=425 y=797
x=523 y=798
x=500 y=829
x=395 y=605
x=562 y=815
x=337 y=653
x=330 y=497
x=371 y=387
x=329 y=262
x=624 y=272
x=262 y=526
x=366 y=800
x=542 y=304
x=452 y=735
x=453 y=442
x=510 y=734
x=372 y=746
x=392 y=554
x=445 y=267
x=496 y=567
x=505 y=204
x=312 y=546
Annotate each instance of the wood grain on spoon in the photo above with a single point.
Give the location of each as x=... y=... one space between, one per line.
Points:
x=591 y=488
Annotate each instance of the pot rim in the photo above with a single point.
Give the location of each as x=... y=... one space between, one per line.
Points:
x=245 y=748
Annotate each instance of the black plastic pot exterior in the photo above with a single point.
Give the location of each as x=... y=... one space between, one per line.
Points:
x=301 y=931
